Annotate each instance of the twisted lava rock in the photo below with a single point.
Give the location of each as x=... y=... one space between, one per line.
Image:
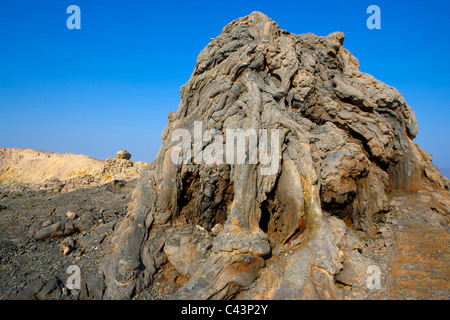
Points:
x=346 y=142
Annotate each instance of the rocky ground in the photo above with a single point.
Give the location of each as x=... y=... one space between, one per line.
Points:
x=35 y=228
x=33 y=268
x=409 y=245
x=60 y=210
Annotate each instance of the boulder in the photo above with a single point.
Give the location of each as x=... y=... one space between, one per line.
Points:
x=355 y=270
x=123 y=154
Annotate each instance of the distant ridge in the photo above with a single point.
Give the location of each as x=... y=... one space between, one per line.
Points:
x=69 y=171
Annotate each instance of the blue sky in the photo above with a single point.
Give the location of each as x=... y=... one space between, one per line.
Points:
x=110 y=85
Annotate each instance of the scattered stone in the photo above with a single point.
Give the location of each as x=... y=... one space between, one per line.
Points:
x=46 y=223
x=109 y=214
x=67 y=246
x=89 y=242
x=54 y=230
x=71 y=215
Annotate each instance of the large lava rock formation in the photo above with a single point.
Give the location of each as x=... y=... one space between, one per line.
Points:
x=346 y=142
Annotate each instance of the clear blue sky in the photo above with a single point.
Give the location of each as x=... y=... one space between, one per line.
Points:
x=110 y=85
